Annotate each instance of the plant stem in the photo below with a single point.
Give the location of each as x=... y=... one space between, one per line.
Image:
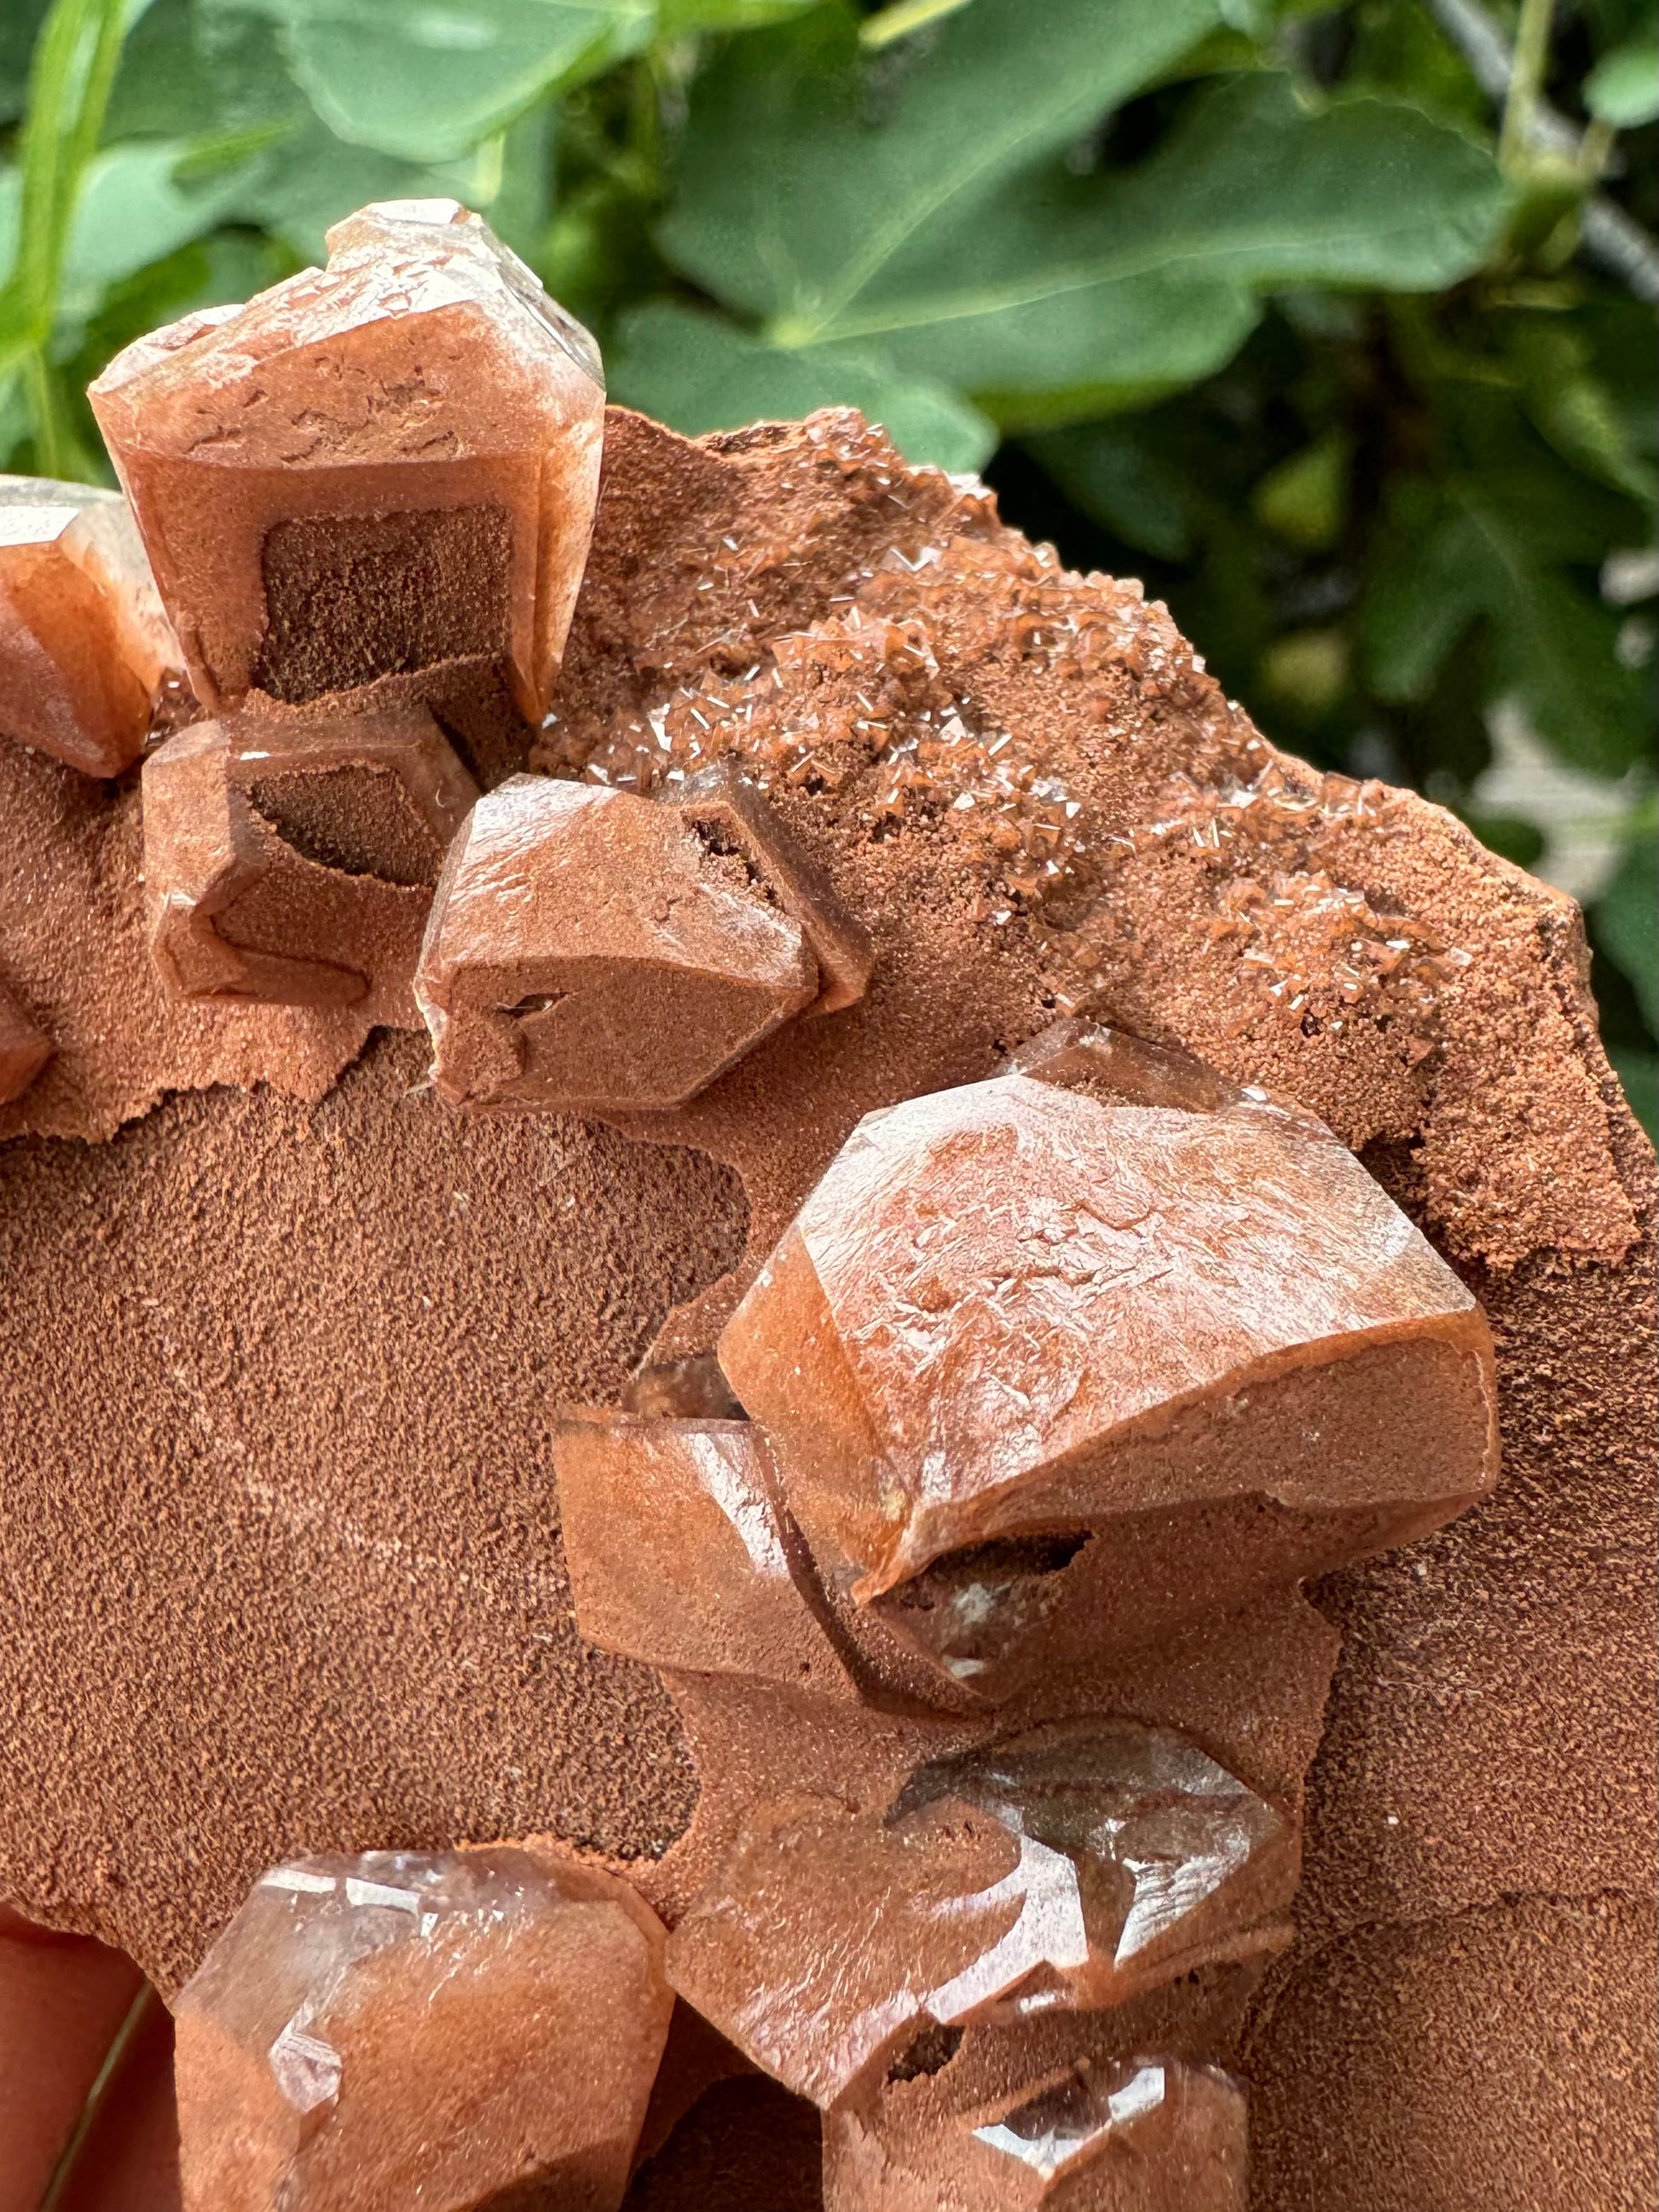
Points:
x=1532 y=46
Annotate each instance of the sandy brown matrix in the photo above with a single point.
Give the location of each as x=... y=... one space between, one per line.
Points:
x=287 y=1336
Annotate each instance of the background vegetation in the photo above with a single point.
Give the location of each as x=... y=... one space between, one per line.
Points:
x=1336 y=324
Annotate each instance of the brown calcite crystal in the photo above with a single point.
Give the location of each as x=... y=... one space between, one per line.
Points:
x=397 y=2029
x=84 y=642
x=1135 y=2134
x=681 y=1553
x=1013 y=1311
x=588 y=951
x=292 y=858
x=24 y=1048
x=1072 y=1868
x=375 y=468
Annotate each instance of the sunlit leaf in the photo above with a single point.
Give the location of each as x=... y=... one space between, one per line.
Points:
x=1623 y=89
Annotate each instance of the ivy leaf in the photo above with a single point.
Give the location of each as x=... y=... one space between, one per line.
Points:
x=424 y=81
x=700 y=373
x=805 y=178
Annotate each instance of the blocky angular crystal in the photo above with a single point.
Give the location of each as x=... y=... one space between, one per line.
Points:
x=374 y=468
x=1113 y=1065
x=84 y=643
x=376 y=2032
x=1073 y=1868
x=729 y=816
x=24 y=1048
x=1138 y=2135
x=1013 y=1311
x=681 y=1553
x=588 y=951
x=293 y=858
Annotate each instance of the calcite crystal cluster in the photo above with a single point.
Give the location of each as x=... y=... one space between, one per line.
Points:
x=784 y=1403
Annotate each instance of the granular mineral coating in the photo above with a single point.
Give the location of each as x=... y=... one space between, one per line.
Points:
x=399 y=2029
x=999 y=1298
x=83 y=641
x=589 y=951
x=24 y=1048
x=372 y=468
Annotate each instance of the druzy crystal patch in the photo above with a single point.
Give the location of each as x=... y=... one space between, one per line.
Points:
x=396 y=2029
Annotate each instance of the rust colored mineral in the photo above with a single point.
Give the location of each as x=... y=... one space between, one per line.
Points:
x=588 y=951
x=83 y=639
x=1013 y=1311
x=1073 y=1868
x=376 y=2032
x=292 y=858
x=376 y=468
x=24 y=1048
x=1138 y=2135
x=681 y=1553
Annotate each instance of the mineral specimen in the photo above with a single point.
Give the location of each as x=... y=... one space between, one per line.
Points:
x=377 y=2033
x=681 y=1553
x=588 y=950
x=379 y=467
x=293 y=858
x=83 y=640
x=24 y=1048
x=1013 y=1311
x=1074 y=1868
x=1142 y=2134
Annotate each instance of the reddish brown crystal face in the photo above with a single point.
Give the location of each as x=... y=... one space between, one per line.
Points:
x=681 y=1553
x=293 y=858
x=24 y=1048
x=379 y=467
x=1014 y=1311
x=588 y=951
x=83 y=640
x=372 y=2034
x=1115 y=1857
x=1139 y=2135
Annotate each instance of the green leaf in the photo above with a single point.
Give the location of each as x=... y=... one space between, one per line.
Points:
x=1044 y=295
x=20 y=20
x=1554 y=647
x=141 y=203
x=804 y=182
x=1623 y=89
x=424 y=81
x=1628 y=923
x=677 y=18
x=699 y=373
x=313 y=179
x=1638 y=1073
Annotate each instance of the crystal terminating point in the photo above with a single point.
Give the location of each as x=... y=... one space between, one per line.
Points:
x=588 y=951
x=1139 y=2135
x=371 y=468
x=372 y=2034
x=1011 y=1310
x=83 y=639
x=681 y=1554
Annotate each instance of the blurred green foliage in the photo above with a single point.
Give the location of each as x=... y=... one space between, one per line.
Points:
x=1333 y=326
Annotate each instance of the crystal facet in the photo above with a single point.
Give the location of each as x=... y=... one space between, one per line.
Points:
x=1137 y=2135
x=293 y=858
x=24 y=1048
x=681 y=1553
x=1073 y=1868
x=588 y=950
x=372 y=2033
x=1014 y=1311
x=83 y=639
x=371 y=468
